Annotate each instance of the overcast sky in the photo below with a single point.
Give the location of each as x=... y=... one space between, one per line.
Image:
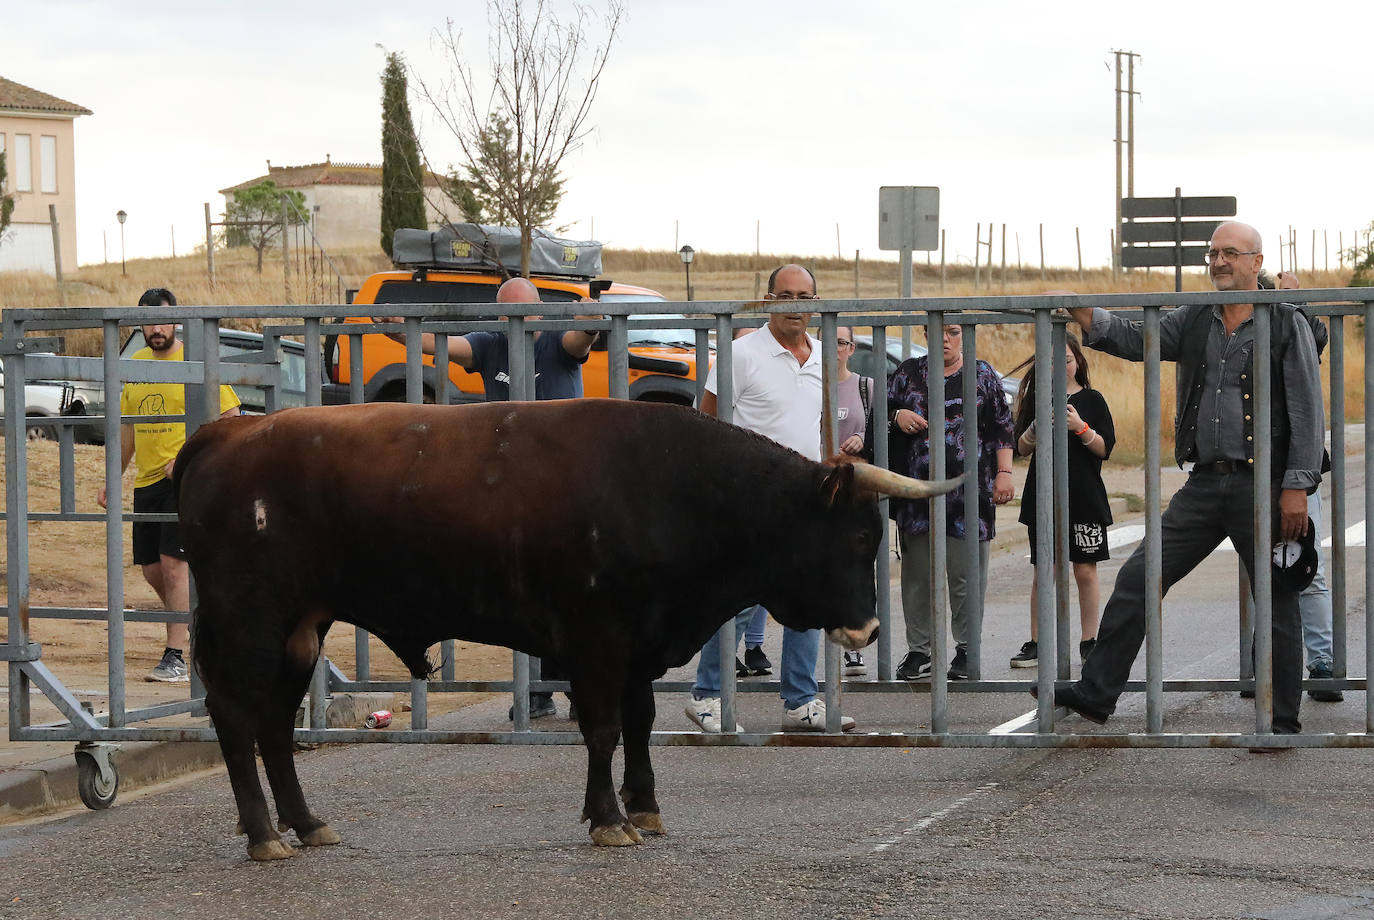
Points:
x=720 y=113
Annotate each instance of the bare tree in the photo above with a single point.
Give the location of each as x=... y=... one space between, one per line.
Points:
x=513 y=137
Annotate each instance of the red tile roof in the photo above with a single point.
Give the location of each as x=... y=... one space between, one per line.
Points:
x=21 y=98
x=326 y=173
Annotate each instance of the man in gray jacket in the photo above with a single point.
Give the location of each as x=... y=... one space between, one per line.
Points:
x=1214 y=430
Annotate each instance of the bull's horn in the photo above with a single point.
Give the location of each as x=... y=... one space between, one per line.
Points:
x=886 y=482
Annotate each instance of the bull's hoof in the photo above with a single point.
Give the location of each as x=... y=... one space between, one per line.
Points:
x=269 y=850
x=650 y=822
x=238 y=829
x=283 y=826
x=616 y=835
x=322 y=836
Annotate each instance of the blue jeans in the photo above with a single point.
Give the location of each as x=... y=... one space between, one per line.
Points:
x=799 y=653
x=753 y=636
x=1314 y=603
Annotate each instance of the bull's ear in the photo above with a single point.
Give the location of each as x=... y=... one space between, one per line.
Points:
x=838 y=481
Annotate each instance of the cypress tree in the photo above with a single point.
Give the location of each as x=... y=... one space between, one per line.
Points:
x=403 y=200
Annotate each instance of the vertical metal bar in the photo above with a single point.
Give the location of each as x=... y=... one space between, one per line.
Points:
x=66 y=467
x=939 y=524
x=415 y=380
x=271 y=349
x=314 y=372
x=972 y=548
x=905 y=256
x=362 y=650
x=319 y=692
x=1047 y=438
x=1335 y=560
x=618 y=358
x=830 y=400
x=703 y=337
x=725 y=411
x=17 y=522
x=114 y=543
x=1368 y=507
x=447 y=647
x=1263 y=528
x=1154 y=592
x=447 y=665
x=1247 y=622
x=1061 y=567
x=419 y=704
x=519 y=382
x=442 y=383
x=880 y=459
x=355 y=368
x=209 y=411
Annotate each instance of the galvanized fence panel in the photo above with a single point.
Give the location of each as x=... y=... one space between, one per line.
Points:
x=204 y=371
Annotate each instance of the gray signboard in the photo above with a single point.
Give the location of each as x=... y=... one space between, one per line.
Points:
x=909 y=217
x=1137 y=236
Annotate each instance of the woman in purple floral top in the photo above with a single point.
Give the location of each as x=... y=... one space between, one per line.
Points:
x=908 y=398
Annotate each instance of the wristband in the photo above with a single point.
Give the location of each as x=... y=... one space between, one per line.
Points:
x=1091 y=434
x=1079 y=432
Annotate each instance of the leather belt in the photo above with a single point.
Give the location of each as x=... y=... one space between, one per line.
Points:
x=1224 y=466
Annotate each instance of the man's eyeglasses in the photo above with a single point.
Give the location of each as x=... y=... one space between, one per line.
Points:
x=1229 y=254
x=786 y=296
x=844 y=343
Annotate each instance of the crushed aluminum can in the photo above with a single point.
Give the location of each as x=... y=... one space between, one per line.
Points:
x=379 y=719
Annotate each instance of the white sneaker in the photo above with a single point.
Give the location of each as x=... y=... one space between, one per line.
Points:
x=706 y=714
x=810 y=717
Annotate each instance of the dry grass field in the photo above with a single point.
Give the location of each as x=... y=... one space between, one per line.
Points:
x=715 y=276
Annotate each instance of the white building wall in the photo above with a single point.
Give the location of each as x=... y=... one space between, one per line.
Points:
x=28 y=247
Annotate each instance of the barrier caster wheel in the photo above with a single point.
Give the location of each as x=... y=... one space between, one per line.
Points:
x=97 y=779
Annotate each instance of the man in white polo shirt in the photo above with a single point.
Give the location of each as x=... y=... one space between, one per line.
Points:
x=776 y=374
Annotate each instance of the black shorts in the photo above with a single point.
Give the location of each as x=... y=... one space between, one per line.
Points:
x=154 y=539
x=1087 y=543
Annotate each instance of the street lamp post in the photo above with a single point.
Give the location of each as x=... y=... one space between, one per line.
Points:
x=687 y=253
x=121 y=217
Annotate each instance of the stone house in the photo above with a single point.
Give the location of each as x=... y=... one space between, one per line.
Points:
x=344 y=200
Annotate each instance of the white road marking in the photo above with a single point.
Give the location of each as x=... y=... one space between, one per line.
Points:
x=1015 y=725
x=930 y=819
x=1354 y=535
x=1125 y=535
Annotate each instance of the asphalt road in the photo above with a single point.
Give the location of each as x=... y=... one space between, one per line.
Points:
x=492 y=831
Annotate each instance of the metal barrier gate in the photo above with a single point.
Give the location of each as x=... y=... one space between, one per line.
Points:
x=204 y=371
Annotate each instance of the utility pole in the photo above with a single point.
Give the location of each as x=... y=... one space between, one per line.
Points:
x=1128 y=140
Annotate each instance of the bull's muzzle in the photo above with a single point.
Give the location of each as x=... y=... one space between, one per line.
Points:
x=886 y=482
x=855 y=638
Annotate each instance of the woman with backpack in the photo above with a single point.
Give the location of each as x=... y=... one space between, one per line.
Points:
x=1091 y=436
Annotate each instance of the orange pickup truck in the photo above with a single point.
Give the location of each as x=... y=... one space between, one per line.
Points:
x=662 y=361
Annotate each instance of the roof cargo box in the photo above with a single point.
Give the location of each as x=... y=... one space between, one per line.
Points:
x=486 y=247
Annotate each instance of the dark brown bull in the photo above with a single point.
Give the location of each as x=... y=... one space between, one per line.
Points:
x=611 y=537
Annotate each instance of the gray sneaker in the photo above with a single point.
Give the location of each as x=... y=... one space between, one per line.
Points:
x=171 y=669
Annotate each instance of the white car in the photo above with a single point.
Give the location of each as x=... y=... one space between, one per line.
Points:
x=42 y=398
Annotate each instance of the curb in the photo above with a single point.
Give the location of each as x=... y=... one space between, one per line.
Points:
x=51 y=784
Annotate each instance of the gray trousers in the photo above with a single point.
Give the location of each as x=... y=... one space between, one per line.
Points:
x=1209 y=508
x=916 y=588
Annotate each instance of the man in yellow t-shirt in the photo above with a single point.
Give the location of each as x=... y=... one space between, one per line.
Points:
x=157 y=546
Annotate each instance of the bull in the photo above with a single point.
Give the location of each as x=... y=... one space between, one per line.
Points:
x=566 y=530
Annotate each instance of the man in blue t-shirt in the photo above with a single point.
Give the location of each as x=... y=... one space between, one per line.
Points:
x=558 y=358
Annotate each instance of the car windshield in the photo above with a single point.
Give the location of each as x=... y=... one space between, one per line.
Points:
x=643 y=335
